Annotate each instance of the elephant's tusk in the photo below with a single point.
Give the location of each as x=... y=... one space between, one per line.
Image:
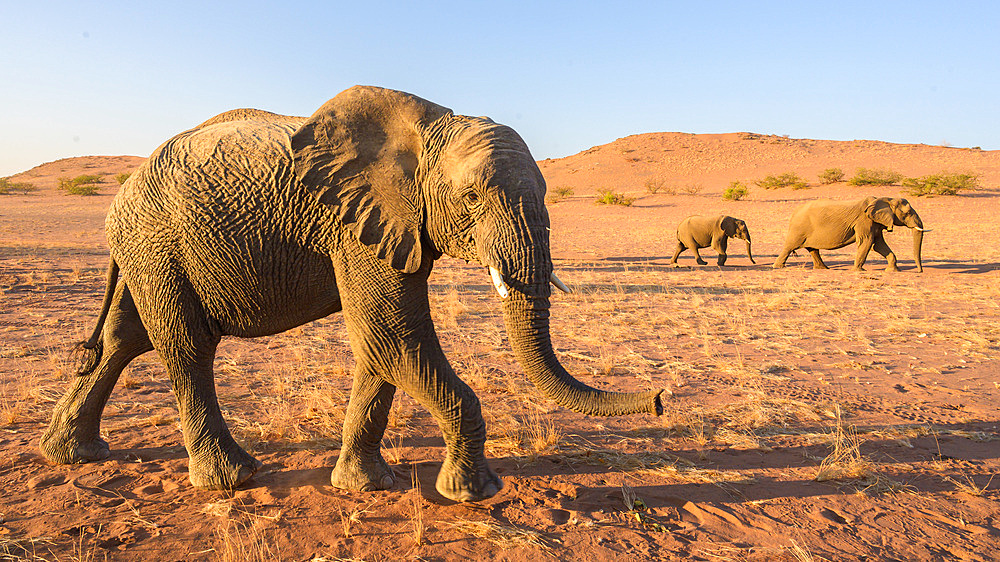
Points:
x=925 y=229
x=559 y=284
x=498 y=283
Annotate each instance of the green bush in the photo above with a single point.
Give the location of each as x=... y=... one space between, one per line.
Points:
x=558 y=194
x=831 y=175
x=80 y=185
x=122 y=177
x=788 y=179
x=7 y=187
x=864 y=176
x=940 y=184
x=612 y=197
x=736 y=191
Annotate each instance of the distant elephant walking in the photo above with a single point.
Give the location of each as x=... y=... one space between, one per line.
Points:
x=697 y=232
x=829 y=225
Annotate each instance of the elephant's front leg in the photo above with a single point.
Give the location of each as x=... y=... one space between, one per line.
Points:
x=883 y=249
x=719 y=245
x=392 y=336
x=360 y=465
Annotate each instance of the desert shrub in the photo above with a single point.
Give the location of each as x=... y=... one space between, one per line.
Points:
x=654 y=186
x=880 y=176
x=693 y=188
x=7 y=187
x=788 y=179
x=831 y=175
x=559 y=193
x=940 y=184
x=736 y=191
x=122 y=177
x=612 y=197
x=80 y=185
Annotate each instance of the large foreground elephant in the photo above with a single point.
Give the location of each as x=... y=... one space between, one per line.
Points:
x=828 y=225
x=253 y=223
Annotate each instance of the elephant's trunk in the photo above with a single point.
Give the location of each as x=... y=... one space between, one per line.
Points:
x=527 y=321
x=913 y=221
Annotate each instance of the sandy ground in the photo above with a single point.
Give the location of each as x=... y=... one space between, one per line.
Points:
x=814 y=414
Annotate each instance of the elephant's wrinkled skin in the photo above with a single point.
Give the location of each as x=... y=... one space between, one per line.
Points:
x=697 y=231
x=829 y=225
x=253 y=223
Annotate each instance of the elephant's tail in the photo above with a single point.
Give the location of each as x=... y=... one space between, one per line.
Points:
x=87 y=354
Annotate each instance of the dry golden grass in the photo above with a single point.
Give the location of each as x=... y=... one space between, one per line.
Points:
x=845 y=461
x=504 y=536
x=525 y=435
x=245 y=541
x=417 y=509
x=349 y=518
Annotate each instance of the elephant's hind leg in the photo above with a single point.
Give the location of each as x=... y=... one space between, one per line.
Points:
x=182 y=334
x=677 y=252
x=73 y=435
x=697 y=256
x=360 y=465
x=817 y=260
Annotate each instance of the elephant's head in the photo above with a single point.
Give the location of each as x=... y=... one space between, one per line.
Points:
x=412 y=181
x=890 y=212
x=904 y=215
x=737 y=228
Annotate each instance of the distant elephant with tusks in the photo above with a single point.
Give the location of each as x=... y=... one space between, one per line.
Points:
x=829 y=225
x=697 y=232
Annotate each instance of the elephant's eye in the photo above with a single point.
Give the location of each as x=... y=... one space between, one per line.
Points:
x=471 y=197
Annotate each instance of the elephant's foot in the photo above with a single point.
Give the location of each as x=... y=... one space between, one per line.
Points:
x=354 y=473
x=892 y=268
x=702 y=262
x=467 y=485
x=823 y=266
x=222 y=470
x=64 y=446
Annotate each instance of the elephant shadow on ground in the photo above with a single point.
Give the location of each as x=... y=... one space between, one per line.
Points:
x=710 y=474
x=960 y=266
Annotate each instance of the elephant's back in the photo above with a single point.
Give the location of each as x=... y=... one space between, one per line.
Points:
x=226 y=166
x=251 y=114
x=220 y=206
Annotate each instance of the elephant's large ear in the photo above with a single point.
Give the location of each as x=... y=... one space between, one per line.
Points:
x=728 y=226
x=880 y=212
x=359 y=153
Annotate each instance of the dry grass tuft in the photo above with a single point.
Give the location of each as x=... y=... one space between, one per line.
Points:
x=968 y=486
x=349 y=518
x=845 y=462
x=528 y=436
x=417 y=510
x=504 y=536
x=244 y=541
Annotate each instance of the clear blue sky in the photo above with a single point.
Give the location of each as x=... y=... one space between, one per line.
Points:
x=83 y=78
